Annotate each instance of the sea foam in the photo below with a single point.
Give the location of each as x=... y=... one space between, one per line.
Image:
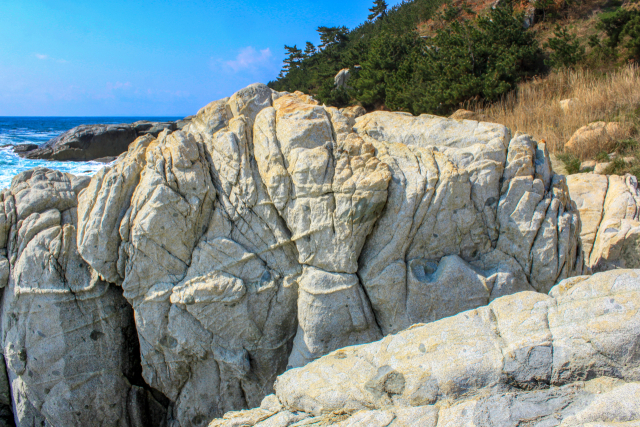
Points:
x=11 y=165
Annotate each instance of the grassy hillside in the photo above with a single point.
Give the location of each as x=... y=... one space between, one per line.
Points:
x=435 y=56
x=535 y=108
x=597 y=46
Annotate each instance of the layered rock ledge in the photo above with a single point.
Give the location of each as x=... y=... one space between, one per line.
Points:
x=569 y=358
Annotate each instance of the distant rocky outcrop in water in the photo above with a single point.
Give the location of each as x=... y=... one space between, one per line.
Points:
x=95 y=142
x=178 y=283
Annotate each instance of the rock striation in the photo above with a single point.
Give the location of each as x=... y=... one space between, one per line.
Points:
x=610 y=211
x=69 y=341
x=96 y=142
x=271 y=231
x=266 y=233
x=570 y=358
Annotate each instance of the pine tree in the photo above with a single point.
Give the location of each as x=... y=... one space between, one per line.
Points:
x=386 y=53
x=484 y=58
x=330 y=36
x=379 y=10
x=293 y=59
x=309 y=50
x=566 y=49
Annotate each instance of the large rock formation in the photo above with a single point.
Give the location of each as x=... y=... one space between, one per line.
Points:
x=267 y=233
x=68 y=337
x=610 y=211
x=570 y=358
x=272 y=231
x=91 y=142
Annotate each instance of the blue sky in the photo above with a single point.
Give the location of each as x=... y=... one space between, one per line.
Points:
x=151 y=57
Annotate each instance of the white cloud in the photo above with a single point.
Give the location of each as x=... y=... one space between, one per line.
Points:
x=44 y=57
x=251 y=59
x=119 y=85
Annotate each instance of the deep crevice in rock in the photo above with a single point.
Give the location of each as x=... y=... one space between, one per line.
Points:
x=147 y=406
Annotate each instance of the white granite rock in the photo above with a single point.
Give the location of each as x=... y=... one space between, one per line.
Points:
x=271 y=231
x=68 y=337
x=610 y=211
x=570 y=358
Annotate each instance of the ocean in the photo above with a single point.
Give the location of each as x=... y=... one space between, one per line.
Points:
x=38 y=130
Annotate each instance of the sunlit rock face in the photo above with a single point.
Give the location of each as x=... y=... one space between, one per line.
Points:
x=570 y=358
x=273 y=230
x=69 y=339
x=609 y=207
x=265 y=234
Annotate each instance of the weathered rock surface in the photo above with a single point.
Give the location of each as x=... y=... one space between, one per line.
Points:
x=188 y=229
x=68 y=337
x=587 y=166
x=596 y=136
x=271 y=231
x=467 y=189
x=91 y=142
x=570 y=358
x=341 y=79
x=610 y=211
x=463 y=114
x=566 y=105
x=264 y=234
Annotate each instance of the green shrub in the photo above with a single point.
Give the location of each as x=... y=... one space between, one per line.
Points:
x=571 y=162
x=483 y=58
x=387 y=53
x=622 y=30
x=617 y=167
x=627 y=146
x=566 y=50
x=476 y=59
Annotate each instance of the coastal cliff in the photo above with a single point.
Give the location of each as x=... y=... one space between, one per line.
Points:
x=178 y=283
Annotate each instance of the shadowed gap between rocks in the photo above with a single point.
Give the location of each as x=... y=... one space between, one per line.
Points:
x=146 y=406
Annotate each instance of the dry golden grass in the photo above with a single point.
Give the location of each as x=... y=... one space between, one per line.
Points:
x=534 y=108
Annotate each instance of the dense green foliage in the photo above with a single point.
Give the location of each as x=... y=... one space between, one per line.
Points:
x=566 y=50
x=341 y=48
x=619 y=37
x=481 y=58
x=392 y=66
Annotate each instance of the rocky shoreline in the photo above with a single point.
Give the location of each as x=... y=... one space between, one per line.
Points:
x=370 y=269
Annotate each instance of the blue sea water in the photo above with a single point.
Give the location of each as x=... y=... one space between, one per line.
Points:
x=38 y=130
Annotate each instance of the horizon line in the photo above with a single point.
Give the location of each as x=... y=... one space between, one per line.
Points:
x=98 y=116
